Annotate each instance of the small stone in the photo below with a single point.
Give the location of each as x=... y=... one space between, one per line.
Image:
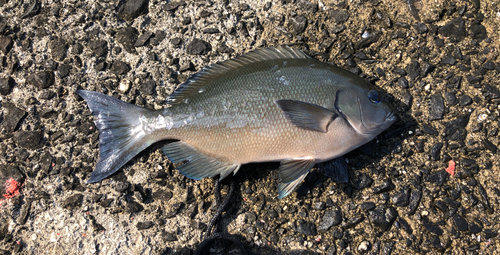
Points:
x=76 y=49
x=98 y=47
x=41 y=80
x=141 y=41
x=489 y=65
x=415 y=197
x=460 y=222
x=413 y=70
x=490 y=146
x=225 y=49
x=429 y=129
x=435 y=151
x=451 y=98
x=361 y=181
x=87 y=128
x=473 y=79
x=12 y=118
x=436 y=107
x=144 y=225
x=133 y=9
x=454 y=29
x=162 y=195
x=368 y=206
x=438 y=178
x=5 y=85
x=364 y=246
x=402 y=198
x=421 y=28
x=382 y=218
x=6 y=44
x=127 y=37
x=299 y=24
x=176 y=41
x=338 y=16
x=58 y=49
x=168 y=236
x=308 y=6
x=119 y=67
x=122 y=186
x=198 y=47
x=455 y=129
x=403 y=83
x=172 y=6
x=148 y=87
x=331 y=217
x=386 y=186
x=210 y=30
x=465 y=100
x=448 y=60
x=63 y=70
x=478 y=32
x=28 y=139
x=306 y=228
x=133 y=207
x=73 y=201
x=431 y=227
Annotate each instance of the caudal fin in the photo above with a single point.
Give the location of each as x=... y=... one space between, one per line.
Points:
x=122 y=134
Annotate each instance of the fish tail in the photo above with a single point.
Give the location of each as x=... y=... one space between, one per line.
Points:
x=122 y=134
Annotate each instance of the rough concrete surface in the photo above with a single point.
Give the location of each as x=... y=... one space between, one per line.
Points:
x=438 y=61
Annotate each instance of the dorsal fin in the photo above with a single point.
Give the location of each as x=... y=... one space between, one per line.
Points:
x=209 y=73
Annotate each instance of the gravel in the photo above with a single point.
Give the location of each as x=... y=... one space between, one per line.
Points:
x=438 y=61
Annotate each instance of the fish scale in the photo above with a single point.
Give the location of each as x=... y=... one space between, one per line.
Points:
x=274 y=104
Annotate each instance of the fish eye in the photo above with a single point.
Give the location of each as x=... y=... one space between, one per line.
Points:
x=373 y=96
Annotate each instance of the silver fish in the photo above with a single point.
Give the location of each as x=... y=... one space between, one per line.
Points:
x=273 y=104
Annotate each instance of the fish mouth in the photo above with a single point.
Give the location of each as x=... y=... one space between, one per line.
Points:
x=391 y=116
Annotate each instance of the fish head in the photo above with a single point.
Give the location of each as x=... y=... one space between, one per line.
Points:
x=365 y=109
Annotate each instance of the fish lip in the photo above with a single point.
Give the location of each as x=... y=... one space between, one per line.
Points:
x=391 y=116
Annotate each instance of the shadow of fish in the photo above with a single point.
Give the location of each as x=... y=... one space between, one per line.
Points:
x=273 y=104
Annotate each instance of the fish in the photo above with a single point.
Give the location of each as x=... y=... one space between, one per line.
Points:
x=273 y=104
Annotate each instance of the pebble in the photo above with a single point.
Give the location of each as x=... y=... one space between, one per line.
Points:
x=436 y=107
x=73 y=201
x=386 y=186
x=455 y=129
x=133 y=9
x=98 y=47
x=448 y=60
x=421 y=28
x=133 y=207
x=465 y=100
x=148 y=87
x=63 y=70
x=198 y=47
x=144 y=225
x=12 y=117
x=402 y=198
x=415 y=197
x=361 y=181
x=368 y=206
x=451 y=98
x=210 y=30
x=435 y=151
x=168 y=236
x=28 y=139
x=332 y=217
x=143 y=39
x=455 y=29
x=338 y=16
x=6 y=44
x=413 y=70
x=41 y=80
x=127 y=37
x=382 y=218
x=299 y=24
x=6 y=85
x=460 y=223
x=306 y=228
x=58 y=49
x=431 y=227
x=119 y=67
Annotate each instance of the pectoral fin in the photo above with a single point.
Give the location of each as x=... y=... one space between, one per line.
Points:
x=336 y=169
x=197 y=165
x=307 y=116
x=292 y=173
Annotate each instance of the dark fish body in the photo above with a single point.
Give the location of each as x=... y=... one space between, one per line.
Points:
x=274 y=104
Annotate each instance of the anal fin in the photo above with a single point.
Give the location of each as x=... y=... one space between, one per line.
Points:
x=197 y=165
x=336 y=169
x=292 y=173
